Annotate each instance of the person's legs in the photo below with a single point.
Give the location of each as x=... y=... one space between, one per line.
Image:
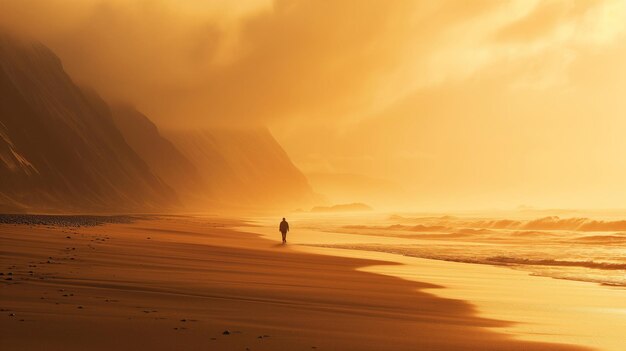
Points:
x=284 y=237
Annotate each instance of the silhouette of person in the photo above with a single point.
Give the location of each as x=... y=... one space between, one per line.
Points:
x=284 y=228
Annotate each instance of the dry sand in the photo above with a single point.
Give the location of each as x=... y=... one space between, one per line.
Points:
x=179 y=283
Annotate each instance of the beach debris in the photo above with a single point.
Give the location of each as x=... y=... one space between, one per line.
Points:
x=11 y=314
x=226 y=332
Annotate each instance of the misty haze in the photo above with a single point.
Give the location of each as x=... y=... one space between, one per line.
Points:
x=312 y=175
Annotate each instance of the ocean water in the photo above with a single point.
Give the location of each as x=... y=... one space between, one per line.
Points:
x=565 y=247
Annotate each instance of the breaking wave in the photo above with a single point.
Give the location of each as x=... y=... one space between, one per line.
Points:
x=582 y=224
x=552 y=262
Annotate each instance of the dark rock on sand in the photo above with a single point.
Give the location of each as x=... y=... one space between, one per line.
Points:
x=65 y=220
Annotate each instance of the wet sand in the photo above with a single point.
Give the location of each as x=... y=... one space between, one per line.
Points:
x=542 y=308
x=180 y=283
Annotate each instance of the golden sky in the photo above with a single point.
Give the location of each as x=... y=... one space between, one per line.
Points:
x=461 y=104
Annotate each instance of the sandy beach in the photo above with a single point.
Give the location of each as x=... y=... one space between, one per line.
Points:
x=451 y=175
x=195 y=284
x=540 y=308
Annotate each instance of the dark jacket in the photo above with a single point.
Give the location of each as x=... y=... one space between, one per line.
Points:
x=284 y=227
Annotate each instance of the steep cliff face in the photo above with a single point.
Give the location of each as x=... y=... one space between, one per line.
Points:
x=245 y=167
x=63 y=149
x=59 y=147
x=163 y=158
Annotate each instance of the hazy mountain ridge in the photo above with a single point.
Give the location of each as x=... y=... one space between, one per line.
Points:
x=165 y=160
x=244 y=167
x=353 y=207
x=64 y=149
x=60 y=150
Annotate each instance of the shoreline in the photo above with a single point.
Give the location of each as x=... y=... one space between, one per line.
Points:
x=181 y=283
x=513 y=266
x=548 y=309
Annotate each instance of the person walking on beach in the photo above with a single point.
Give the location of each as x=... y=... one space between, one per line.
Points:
x=284 y=228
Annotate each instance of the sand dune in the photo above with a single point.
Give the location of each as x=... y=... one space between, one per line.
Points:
x=181 y=283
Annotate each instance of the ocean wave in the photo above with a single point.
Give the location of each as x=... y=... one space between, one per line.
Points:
x=602 y=239
x=532 y=234
x=608 y=273
x=414 y=228
x=558 y=263
x=583 y=224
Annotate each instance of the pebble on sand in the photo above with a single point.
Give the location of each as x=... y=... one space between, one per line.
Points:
x=226 y=332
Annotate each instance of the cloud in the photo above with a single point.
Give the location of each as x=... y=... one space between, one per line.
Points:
x=260 y=61
x=483 y=101
x=204 y=63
